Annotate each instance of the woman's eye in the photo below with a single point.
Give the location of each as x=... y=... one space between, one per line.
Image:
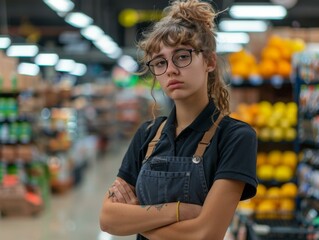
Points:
x=160 y=64
x=183 y=57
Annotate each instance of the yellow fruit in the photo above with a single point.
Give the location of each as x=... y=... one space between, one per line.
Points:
x=261 y=190
x=265 y=172
x=274 y=157
x=284 y=122
x=292 y=106
x=283 y=173
x=261 y=120
x=277 y=134
x=279 y=106
x=289 y=190
x=272 y=122
x=273 y=192
x=266 y=209
x=265 y=108
x=290 y=134
x=264 y=134
x=289 y=158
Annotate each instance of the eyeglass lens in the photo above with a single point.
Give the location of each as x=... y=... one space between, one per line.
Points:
x=181 y=58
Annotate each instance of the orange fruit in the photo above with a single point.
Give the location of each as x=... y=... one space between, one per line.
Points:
x=267 y=68
x=289 y=190
x=284 y=68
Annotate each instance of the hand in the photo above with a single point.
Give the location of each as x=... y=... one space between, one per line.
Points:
x=188 y=211
x=122 y=192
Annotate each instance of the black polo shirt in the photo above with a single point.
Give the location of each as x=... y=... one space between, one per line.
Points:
x=231 y=154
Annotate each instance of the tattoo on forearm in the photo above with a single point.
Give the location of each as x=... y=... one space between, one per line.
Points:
x=157 y=206
x=111 y=194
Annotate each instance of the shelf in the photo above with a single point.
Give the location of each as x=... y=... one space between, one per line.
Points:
x=276 y=82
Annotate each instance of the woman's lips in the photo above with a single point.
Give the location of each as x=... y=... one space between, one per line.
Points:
x=174 y=84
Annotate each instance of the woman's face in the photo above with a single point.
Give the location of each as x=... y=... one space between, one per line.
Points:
x=182 y=82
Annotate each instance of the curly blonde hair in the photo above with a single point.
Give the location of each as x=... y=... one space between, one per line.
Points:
x=188 y=22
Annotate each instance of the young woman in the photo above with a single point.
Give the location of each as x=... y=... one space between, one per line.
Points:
x=183 y=175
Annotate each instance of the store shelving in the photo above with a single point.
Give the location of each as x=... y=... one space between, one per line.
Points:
x=306 y=76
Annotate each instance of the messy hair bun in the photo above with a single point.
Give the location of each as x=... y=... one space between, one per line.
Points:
x=192 y=11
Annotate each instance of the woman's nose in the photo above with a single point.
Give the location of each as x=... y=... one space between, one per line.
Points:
x=171 y=68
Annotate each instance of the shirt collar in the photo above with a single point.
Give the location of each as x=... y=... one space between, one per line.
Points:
x=202 y=122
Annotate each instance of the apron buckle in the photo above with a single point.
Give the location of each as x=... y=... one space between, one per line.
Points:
x=196 y=159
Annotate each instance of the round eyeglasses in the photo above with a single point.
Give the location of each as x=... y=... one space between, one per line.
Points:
x=181 y=58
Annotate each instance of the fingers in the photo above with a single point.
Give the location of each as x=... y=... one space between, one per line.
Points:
x=123 y=192
x=129 y=190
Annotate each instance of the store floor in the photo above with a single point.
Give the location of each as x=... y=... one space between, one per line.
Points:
x=73 y=215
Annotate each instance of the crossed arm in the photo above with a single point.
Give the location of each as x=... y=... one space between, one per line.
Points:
x=121 y=213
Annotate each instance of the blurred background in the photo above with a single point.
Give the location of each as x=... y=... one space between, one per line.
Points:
x=69 y=106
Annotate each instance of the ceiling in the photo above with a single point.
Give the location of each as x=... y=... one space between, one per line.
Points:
x=32 y=19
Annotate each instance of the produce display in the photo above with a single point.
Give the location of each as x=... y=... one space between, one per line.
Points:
x=274 y=59
x=272 y=122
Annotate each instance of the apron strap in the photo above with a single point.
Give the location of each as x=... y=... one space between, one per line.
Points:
x=207 y=138
x=154 y=141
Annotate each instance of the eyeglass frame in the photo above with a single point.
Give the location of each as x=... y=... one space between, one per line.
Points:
x=172 y=58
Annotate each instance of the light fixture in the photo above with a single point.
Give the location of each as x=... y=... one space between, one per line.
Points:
x=79 y=69
x=78 y=19
x=60 y=6
x=65 y=65
x=228 y=47
x=243 y=26
x=128 y=63
x=4 y=41
x=29 y=69
x=231 y=37
x=258 y=11
x=22 y=50
x=46 y=59
x=108 y=46
x=92 y=32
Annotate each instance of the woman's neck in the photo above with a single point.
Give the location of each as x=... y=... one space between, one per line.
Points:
x=186 y=112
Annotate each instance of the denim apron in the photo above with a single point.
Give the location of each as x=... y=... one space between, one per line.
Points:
x=164 y=179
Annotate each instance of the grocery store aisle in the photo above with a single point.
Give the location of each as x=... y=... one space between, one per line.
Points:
x=73 y=215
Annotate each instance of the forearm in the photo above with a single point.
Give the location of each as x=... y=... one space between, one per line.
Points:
x=185 y=230
x=126 y=219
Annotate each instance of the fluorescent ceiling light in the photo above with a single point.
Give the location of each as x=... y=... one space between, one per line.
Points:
x=4 y=42
x=115 y=54
x=65 y=65
x=243 y=26
x=92 y=32
x=23 y=50
x=29 y=69
x=108 y=46
x=128 y=63
x=228 y=37
x=60 y=5
x=79 y=69
x=78 y=19
x=46 y=59
x=258 y=11
x=228 y=47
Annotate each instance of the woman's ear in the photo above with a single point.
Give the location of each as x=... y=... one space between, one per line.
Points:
x=212 y=61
